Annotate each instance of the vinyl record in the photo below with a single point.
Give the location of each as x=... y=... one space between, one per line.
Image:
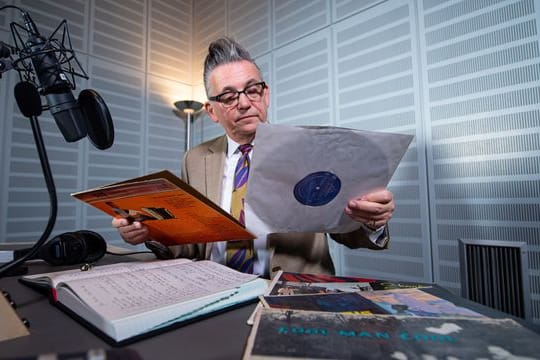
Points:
x=317 y=189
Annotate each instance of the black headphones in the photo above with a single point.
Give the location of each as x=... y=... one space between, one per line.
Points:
x=83 y=246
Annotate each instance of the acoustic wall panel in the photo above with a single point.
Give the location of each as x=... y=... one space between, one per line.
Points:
x=118 y=32
x=115 y=36
x=302 y=88
x=251 y=24
x=166 y=131
x=405 y=267
x=122 y=90
x=48 y=14
x=5 y=114
x=169 y=42
x=7 y=83
x=346 y=8
x=483 y=95
x=205 y=129
x=27 y=200
x=265 y=65
x=295 y=19
x=5 y=17
x=211 y=23
x=377 y=89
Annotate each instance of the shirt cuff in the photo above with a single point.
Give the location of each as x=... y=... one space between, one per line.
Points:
x=376 y=236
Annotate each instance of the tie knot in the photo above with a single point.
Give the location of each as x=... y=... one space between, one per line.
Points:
x=244 y=149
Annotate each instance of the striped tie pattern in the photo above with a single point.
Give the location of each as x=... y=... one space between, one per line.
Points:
x=240 y=253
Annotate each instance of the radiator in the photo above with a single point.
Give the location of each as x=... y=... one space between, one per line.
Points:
x=494 y=273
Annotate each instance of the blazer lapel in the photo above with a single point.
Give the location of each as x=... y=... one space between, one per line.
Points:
x=214 y=163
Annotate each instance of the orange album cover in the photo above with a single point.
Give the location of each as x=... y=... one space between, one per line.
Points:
x=174 y=212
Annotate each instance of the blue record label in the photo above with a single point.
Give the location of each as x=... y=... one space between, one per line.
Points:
x=317 y=189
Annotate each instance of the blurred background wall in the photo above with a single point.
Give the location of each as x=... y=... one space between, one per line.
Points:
x=461 y=76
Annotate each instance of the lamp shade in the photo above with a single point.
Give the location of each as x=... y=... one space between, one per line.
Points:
x=188 y=106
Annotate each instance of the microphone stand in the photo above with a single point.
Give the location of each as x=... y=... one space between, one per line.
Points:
x=51 y=188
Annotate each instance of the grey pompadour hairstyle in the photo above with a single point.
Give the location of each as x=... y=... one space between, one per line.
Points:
x=223 y=51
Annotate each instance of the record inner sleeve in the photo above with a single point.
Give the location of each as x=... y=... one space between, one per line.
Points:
x=301 y=178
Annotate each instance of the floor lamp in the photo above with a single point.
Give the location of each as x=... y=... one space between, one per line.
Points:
x=188 y=108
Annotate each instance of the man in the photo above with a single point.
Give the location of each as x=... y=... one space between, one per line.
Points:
x=238 y=101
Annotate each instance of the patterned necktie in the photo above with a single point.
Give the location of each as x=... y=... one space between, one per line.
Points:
x=240 y=253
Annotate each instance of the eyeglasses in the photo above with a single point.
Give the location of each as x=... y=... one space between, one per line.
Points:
x=230 y=98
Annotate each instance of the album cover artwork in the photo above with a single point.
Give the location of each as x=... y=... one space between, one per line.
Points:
x=281 y=334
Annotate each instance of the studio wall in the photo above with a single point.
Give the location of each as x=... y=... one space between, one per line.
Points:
x=461 y=76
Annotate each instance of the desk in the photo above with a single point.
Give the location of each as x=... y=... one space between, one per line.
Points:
x=219 y=337
x=52 y=331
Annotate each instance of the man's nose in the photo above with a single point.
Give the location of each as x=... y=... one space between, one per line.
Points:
x=243 y=101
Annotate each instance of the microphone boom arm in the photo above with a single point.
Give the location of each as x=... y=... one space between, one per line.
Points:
x=51 y=188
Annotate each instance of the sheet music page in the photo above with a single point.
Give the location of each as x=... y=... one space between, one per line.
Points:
x=69 y=275
x=119 y=295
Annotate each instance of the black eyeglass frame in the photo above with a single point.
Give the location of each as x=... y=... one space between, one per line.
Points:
x=238 y=93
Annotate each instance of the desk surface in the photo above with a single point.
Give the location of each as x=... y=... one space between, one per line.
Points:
x=222 y=336
x=52 y=331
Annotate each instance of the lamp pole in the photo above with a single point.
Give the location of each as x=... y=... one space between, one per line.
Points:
x=189 y=108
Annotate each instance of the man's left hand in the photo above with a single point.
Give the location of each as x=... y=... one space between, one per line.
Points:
x=373 y=209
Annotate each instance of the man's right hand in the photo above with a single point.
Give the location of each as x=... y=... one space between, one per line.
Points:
x=134 y=233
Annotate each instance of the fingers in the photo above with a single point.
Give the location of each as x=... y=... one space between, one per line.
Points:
x=119 y=222
x=374 y=209
x=380 y=196
x=134 y=233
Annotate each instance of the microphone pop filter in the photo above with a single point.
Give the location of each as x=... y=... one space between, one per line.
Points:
x=4 y=51
x=98 y=119
x=28 y=99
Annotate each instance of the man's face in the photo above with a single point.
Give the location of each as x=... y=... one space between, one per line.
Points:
x=240 y=121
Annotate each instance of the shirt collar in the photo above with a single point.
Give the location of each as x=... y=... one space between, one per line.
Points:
x=232 y=146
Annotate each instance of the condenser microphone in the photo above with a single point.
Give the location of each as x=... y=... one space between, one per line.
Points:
x=54 y=84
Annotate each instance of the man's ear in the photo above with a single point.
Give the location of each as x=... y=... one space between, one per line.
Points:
x=266 y=96
x=211 y=112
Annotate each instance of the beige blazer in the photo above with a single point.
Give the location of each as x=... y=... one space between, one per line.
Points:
x=203 y=168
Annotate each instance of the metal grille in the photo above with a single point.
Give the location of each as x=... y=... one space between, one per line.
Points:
x=494 y=273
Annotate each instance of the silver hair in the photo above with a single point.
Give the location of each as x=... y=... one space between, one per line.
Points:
x=223 y=51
